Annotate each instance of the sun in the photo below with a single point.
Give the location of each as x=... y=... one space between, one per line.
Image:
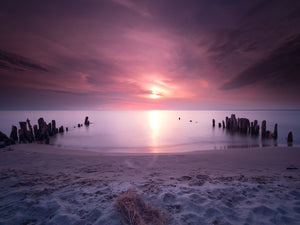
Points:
x=156 y=93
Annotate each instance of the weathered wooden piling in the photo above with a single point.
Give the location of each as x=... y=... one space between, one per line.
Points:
x=43 y=129
x=36 y=132
x=254 y=128
x=290 y=138
x=5 y=141
x=54 y=129
x=49 y=126
x=14 y=133
x=40 y=132
x=275 y=133
x=30 y=136
x=23 y=132
x=61 y=129
x=263 y=129
x=86 y=121
x=243 y=125
x=231 y=123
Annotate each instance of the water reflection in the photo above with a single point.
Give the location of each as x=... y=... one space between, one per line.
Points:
x=154 y=123
x=156 y=131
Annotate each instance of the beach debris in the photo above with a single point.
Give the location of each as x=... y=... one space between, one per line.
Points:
x=86 y=121
x=178 y=118
x=78 y=125
x=135 y=211
x=290 y=139
x=184 y=178
x=14 y=133
x=213 y=123
x=191 y=121
x=292 y=167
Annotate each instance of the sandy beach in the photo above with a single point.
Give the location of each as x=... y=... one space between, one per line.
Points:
x=41 y=184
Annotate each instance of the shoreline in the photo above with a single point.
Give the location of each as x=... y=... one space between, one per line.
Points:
x=42 y=184
x=51 y=148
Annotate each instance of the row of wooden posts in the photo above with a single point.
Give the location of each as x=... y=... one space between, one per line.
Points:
x=243 y=125
x=40 y=132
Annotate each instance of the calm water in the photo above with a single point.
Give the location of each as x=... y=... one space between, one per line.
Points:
x=155 y=131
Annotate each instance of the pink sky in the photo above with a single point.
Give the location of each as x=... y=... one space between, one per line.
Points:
x=125 y=54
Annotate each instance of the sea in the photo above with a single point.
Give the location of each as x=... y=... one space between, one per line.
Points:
x=156 y=131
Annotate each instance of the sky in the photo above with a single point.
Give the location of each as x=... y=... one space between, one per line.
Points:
x=149 y=54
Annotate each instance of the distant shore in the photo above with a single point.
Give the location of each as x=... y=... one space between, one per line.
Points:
x=43 y=184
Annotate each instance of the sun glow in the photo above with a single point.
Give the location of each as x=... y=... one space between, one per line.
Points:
x=156 y=93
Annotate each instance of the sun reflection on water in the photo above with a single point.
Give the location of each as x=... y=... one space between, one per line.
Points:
x=154 y=123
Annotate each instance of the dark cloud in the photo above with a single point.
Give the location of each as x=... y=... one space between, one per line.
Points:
x=11 y=61
x=259 y=29
x=281 y=68
x=257 y=8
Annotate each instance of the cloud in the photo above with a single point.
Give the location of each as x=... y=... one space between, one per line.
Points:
x=258 y=28
x=11 y=61
x=112 y=51
x=134 y=7
x=281 y=67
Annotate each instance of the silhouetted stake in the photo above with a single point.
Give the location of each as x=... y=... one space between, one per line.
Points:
x=86 y=121
x=263 y=129
x=14 y=133
x=290 y=139
x=275 y=134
